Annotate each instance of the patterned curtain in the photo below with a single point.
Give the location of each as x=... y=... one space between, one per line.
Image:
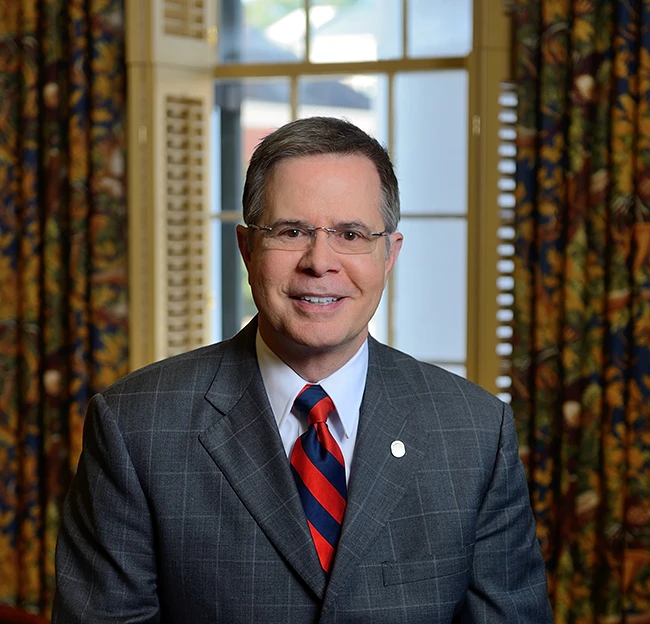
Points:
x=63 y=297
x=582 y=299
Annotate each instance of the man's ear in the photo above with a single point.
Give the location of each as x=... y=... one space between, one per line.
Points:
x=396 y=239
x=242 y=242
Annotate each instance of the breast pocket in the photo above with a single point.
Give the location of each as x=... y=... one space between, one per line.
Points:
x=437 y=567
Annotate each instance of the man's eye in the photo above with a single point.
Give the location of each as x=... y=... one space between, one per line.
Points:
x=290 y=233
x=350 y=236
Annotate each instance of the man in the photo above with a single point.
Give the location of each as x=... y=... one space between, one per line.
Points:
x=301 y=471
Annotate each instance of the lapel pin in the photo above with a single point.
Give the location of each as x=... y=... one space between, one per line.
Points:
x=398 y=449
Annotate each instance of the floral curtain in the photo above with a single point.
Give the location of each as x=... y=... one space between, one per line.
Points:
x=582 y=299
x=63 y=297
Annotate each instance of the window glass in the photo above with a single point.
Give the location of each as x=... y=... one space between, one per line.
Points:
x=362 y=99
x=430 y=284
x=431 y=130
x=356 y=30
x=261 y=31
x=439 y=28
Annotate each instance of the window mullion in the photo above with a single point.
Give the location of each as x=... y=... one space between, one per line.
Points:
x=307 y=32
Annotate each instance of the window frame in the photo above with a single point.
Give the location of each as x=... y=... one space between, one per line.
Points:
x=155 y=61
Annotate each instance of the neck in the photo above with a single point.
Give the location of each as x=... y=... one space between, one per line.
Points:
x=314 y=364
x=316 y=369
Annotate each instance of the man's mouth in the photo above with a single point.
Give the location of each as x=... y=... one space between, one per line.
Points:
x=320 y=300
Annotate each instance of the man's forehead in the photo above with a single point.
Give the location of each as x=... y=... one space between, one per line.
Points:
x=303 y=170
x=307 y=160
x=324 y=189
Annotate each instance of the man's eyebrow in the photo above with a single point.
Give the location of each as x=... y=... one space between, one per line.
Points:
x=296 y=222
x=350 y=225
x=340 y=225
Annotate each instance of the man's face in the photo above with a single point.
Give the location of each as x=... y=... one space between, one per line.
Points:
x=316 y=300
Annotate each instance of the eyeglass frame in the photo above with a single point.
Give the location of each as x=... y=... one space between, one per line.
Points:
x=312 y=232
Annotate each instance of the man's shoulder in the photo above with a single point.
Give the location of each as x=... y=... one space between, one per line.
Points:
x=430 y=379
x=184 y=372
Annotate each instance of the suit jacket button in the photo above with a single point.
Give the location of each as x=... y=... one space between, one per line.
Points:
x=398 y=449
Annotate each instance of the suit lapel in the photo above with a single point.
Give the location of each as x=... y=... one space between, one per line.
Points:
x=245 y=444
x=378 y=479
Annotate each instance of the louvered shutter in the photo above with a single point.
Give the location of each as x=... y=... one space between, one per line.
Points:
x=170 y=60
x=185 y=18
x=505 y=247
x=186 y=225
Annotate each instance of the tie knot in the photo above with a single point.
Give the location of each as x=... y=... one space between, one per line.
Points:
x=314 y=404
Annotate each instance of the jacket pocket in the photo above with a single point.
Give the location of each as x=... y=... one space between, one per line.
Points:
x=439 y=566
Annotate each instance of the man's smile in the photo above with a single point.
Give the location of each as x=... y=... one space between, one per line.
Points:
x=319 y=300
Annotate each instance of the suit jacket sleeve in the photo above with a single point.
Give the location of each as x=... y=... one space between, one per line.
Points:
x=105 y=561
x=508 y=580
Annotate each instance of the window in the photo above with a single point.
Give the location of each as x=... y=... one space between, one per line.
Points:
x=424 y=76
x=402 y=77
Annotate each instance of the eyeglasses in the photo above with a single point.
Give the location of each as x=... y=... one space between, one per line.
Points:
x=288 y=236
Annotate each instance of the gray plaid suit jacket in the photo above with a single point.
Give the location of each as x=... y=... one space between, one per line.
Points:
x=184 y=509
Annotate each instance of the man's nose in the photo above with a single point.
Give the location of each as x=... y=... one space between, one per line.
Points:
x=319 y=257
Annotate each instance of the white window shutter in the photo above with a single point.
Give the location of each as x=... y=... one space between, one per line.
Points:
x=186 y=224
x=506 y=233
x=170 y=63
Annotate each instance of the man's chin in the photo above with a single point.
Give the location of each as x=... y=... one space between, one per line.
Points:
x=321 y=343
x=306 y=339
x=315 y=344
x=311 y=341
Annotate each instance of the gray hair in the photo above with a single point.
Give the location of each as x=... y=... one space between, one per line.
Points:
x=315 y=136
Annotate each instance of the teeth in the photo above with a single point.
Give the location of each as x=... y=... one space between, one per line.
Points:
x=320 y=300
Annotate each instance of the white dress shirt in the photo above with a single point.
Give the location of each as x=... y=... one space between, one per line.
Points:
x=345 y=387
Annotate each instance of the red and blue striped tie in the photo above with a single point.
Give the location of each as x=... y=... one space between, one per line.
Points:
x=319 y=470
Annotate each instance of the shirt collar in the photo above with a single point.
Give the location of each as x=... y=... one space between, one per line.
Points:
x=344 y=386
